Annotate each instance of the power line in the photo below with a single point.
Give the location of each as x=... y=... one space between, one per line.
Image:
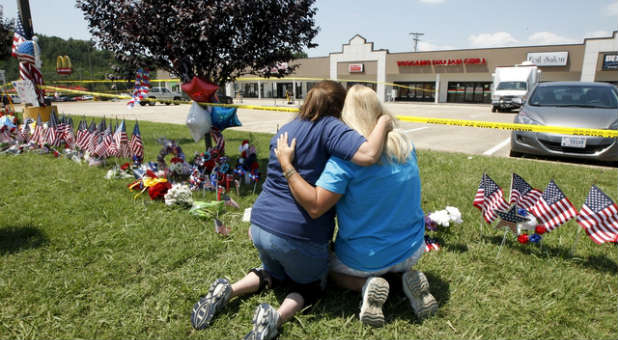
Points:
x=416 y=39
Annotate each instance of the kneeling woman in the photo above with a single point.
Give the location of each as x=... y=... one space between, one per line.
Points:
x=381 y=223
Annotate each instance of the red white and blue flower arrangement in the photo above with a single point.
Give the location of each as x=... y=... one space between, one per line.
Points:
x=438 y=221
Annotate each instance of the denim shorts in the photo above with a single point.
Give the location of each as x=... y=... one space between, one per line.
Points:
x=335 y=265
x=284 y=258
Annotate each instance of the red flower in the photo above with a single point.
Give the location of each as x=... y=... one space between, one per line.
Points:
x=125 y=166
x=176 y=160
x=539 y=229
x=159 y=190
x=523 y=238
x=56 y=154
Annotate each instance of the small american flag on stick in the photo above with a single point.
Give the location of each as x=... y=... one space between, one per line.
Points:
x=599 y=217
x=522 y=194
x=553 y=208
x=489 y=198
x=136 y=145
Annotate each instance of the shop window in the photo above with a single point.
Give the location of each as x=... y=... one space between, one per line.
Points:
x=416 y=91
x=469 y=92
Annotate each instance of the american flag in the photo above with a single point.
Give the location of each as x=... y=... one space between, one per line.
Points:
x=431 y=244
x=221 y=228
x=51 y=137
x=103 y=148
x=599 y=217
x=489 y=198
x=93 y=139
x=522 y=194
x=18 y=36
x=510 y=219
x=136 y=145
x=38 y=131
x=82 y=127
x=68 y=135
x=219 y=141
x=119 y=145
x=553 y=208
x=142 y=87
x=25 y=132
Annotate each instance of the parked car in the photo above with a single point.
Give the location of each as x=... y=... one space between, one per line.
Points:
x=161 y=93
x=223 y=99
x=570 y=104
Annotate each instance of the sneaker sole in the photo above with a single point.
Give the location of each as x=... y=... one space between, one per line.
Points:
x=371 y=309
x=204 y=310
x=261 y=322
x=416 y=288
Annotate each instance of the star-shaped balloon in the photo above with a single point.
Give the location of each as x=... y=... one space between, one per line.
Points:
x=224 y=117
x=510 y=219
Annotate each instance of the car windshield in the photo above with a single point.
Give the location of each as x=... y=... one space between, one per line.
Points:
x=511 y=85
x=575 y=96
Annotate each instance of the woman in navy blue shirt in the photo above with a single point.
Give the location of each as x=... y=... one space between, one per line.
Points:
x=293 y=246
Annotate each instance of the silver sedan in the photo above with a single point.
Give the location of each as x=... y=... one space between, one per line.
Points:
x=570 y=104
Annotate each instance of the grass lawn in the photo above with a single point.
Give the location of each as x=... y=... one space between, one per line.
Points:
x=80 y=258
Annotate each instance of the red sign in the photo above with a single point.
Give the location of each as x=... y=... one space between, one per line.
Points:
x=426 y=62
x=355 y=68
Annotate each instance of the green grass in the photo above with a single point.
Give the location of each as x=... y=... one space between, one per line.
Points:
x=80 y=258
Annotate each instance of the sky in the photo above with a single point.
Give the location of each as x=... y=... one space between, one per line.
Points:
x=445 y=24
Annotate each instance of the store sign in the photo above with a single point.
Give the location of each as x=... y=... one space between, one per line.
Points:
x=610 y=62
x=548 y=58
x=356 y=68
x=458 y=61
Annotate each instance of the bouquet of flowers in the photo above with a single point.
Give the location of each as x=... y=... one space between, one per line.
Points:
x=442 y=218
x=179 y=194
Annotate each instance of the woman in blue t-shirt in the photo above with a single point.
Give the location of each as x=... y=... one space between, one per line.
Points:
x=293 y=247
x=381 y=223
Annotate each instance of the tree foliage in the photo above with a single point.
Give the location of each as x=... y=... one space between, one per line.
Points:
x=216 y=40
x=6 y=35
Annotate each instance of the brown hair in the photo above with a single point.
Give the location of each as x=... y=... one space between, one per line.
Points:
x=326 y=98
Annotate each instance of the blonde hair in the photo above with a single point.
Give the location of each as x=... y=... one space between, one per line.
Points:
x=361 y=111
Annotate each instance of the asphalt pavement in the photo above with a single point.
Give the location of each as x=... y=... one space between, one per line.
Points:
x=468 y=140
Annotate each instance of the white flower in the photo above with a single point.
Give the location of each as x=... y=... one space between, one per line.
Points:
x=454 y=214
x=440 y=217
x=179 y=194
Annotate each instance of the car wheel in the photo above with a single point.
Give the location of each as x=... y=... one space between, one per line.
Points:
x=142 y=103
x=229 y=101
x=493 y=109
x=176 y=99
x=515 y=154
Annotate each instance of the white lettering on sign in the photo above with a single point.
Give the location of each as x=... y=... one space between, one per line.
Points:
x=548 y=58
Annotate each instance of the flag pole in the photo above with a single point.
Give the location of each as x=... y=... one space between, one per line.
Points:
x=502 y=243
x=579 y=229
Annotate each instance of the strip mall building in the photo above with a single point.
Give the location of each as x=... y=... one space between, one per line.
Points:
x=454 y=76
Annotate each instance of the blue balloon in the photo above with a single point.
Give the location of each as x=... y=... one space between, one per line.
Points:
x=224 y=117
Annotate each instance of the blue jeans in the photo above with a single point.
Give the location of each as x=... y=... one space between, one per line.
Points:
x=301 y=261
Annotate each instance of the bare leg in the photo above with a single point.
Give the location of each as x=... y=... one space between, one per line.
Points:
x=293 y=303
x=248 y=284
x=354 y=283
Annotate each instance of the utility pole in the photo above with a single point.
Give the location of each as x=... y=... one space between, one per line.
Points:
x=416 y=39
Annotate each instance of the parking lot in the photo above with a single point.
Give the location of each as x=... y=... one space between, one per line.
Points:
x=473 y=141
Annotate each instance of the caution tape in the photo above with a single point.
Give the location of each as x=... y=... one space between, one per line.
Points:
x=513 y=126
x=413 y=119
x=244 y=79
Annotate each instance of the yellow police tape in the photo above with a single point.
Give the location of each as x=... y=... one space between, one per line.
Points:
x=427 y=120
x=241 y=79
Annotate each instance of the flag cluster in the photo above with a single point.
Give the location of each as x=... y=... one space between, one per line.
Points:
x=26 y=50
x=142 y=87
x=598 y=216
x=102 y=143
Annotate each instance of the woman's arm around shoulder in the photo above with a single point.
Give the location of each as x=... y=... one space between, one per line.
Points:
x=315 y=200
x=370 y=151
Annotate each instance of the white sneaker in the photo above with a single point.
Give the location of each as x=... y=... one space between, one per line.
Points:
x=375 y=293
x=416 y=287
x=265 y=320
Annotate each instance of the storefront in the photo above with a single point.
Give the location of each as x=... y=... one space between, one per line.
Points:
x=454 y=76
